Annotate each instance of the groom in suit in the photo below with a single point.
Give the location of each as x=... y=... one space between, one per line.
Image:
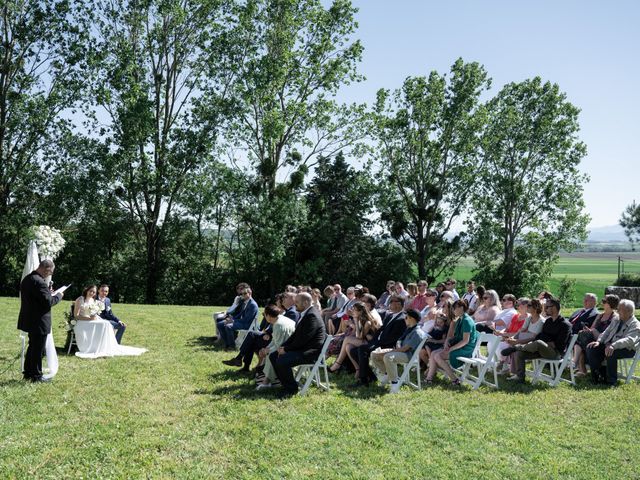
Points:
x=107 y=313
x=35 y=317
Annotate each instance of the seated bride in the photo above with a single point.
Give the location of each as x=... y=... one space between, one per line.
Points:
x=95 y=337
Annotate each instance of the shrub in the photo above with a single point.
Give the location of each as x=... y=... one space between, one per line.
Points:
x=628 y=280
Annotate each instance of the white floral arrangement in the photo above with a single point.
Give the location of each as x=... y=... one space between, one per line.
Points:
x=94 y=308
x=48 y=239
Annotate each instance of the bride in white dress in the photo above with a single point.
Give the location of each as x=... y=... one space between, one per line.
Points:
x=95 y=337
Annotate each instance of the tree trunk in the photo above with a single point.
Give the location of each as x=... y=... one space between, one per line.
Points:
x=153 y=258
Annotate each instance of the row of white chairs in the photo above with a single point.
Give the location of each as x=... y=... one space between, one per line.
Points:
x=475 y=369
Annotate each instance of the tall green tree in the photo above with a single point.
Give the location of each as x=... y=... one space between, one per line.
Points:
x=290 y=59
x=44 y=55
x=428 y=134
x=630 y=221
x=161 y=85
x=338 y=243
x=529 y=202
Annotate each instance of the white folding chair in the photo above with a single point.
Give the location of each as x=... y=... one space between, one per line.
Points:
x=242 y=334
x=312 y=370
x=412 y=364
x=627 y=367
x=72 y=340
x=481 y=363
x=556 y=367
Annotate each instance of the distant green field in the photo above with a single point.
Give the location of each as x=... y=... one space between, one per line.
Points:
x=593 y=271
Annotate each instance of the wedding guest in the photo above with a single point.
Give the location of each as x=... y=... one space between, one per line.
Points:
x=487 y=311
x=550 y=343
x=461 y=344
x=35 y=317
x=386 y=360
x=289 y=306
x=585 y=316
x=282 y=328
x=503 y=318
x=438 y=336
x=237 y=301
x=515 y=324
x=241 y=319
x=370 y=302
x=532 y=326
x=107 y=313
x=471 y=297
x=621 y=339
x=316 y=295
x=419 y=302
x=336 y=302
x=366 y=327
x=440 y=287
x=590 y=334
x=334 y=321
x=382 y=302
x=412 y=290
x=450 y=285
x=430 y=311
x=401 y=291
x=303 y=346
x=393 y=327
x=480 y=291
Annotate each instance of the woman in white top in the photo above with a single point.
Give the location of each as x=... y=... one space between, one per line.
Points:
x=530 y=329
x=95 y=337
x=488 y=309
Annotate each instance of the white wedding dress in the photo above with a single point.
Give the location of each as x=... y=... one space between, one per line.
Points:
x=96 y=338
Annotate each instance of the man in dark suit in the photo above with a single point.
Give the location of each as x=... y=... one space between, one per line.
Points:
x=35 y=317
x=303 y=346
x=585 y=316
x=393 y=326
x=107 y=313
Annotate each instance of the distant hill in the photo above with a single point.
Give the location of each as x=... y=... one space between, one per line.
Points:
x=611 y=233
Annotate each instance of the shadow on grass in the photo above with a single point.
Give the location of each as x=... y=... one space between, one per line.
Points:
x=13 y=383
x=203 y=343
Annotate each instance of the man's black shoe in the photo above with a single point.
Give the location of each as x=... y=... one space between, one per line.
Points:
x=508 y=351
x=233 y=362
x=284 y=394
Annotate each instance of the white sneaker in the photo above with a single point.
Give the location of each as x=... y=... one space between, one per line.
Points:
x=383 y=379
x=395 y=387
x=263 y=386
x=512 y=377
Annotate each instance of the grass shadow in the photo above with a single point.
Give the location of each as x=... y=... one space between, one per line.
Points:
x=12 y=383
x=202 y=342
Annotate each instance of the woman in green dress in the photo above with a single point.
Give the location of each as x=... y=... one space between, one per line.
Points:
x=461 y=344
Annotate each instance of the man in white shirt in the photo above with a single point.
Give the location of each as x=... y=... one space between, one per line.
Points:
x=334 y=321
x=503 y=319
x=471 y=297
x=450 y=285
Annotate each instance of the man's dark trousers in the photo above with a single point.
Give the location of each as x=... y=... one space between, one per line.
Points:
x=595 y=357
x=283 y=366
x=33 y=357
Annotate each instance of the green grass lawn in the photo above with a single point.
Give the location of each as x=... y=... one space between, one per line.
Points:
x=177 y=412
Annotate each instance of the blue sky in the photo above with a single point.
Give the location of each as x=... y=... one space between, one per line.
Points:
x=591 y=49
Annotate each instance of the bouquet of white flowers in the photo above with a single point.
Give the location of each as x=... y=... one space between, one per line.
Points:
x=94 y=308
x=49 y=241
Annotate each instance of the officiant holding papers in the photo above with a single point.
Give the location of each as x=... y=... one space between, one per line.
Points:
x=36 y=301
